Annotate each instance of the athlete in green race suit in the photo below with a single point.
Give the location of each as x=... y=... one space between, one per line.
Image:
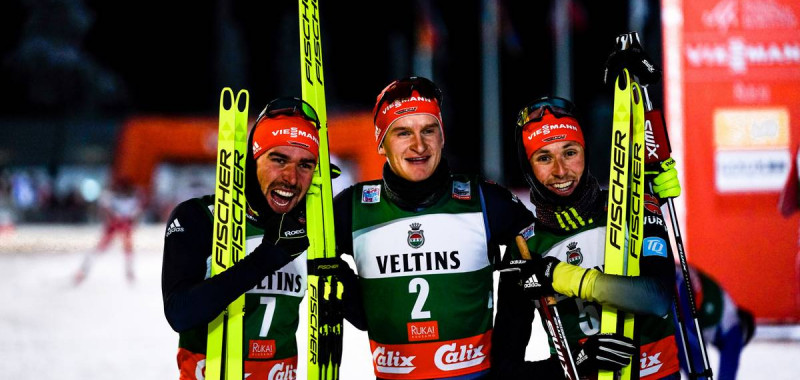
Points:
x=425 y=242
x=272 y=276
x=570 y=234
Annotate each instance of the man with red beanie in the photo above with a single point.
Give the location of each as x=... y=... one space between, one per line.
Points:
x=283 y=151
x=425 y=242
x=569 y=235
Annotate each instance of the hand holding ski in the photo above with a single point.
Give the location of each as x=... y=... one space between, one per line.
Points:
x=609 y=352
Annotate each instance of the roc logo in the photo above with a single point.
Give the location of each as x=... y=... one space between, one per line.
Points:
x=416 y=238
x=574 y=255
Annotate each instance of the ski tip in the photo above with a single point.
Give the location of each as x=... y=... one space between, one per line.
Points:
x=637 y=93
x=623 y=79
x=226 y=99
x=242 y=96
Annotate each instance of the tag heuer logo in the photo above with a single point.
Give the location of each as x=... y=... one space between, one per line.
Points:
x=416 y=238
x=574 y=255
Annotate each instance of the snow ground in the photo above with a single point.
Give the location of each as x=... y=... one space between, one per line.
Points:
x=107 y=328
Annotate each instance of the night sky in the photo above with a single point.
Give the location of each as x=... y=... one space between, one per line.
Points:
x=90 y=58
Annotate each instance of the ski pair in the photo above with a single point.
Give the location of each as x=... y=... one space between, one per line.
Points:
x=658 y=156
x=324 y=290
x=625 y=218
x=225 y=332
x=658 y=150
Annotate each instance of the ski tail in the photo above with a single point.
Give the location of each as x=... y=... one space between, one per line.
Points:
x=224 y=340
x=324 y=291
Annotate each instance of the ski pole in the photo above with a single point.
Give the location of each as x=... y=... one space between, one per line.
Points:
x=548 y=309
x=686 y=283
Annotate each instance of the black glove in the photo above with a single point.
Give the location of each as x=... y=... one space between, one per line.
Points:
x=636 y=60
x=604 y=351
x=535 y=275
x=332 y=266
x=287 y=231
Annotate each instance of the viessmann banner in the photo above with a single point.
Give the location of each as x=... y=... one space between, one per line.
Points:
x=733 y=97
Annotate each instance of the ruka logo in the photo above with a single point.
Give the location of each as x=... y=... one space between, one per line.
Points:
x=416 y=237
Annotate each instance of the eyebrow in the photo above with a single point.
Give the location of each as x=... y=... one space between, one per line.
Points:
x=278 y=155
x=404 y=128
x=569 y=144
x=308 y=161
x=285 y=157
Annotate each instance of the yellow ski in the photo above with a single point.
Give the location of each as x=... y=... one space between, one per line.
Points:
x=225 y=331
x=618 y=188
x=324 y=318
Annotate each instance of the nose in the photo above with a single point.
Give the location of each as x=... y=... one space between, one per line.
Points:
x=418 y=144
x=559 y=168
x=289 y=174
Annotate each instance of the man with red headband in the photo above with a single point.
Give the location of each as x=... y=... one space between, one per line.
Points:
x=569 y=234
x=283 y=150
x=424 y=241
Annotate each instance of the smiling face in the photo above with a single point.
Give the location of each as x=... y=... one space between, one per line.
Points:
x=559 y=166
x=413 y=147
x=285 y=173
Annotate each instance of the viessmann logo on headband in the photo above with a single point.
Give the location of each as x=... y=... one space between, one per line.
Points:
x=547 y=128
x=398 y=103
x=294 y=132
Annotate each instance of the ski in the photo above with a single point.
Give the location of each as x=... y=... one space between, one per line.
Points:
x=224 y=341
x=324 y=292
x=635 y=212
x=625 y=219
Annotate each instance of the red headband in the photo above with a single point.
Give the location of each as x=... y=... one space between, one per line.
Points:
x=285 y=130
x=550 y=129
x=392 y=111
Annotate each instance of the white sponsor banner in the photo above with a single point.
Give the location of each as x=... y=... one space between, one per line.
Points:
x=425 y=244
x=751 y=170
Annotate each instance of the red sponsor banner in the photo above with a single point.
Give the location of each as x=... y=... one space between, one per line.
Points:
x=281 y=369
x=261 y=349
x=192 y=366
x=659 y=359
x=432 y=359
x=732 y=99
x=421 y=331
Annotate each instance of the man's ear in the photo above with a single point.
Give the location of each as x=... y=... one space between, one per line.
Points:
x=381 y=151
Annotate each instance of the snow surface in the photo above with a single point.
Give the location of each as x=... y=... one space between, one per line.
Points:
x=107 y=328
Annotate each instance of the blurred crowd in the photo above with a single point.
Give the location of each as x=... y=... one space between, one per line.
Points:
x=30 y=196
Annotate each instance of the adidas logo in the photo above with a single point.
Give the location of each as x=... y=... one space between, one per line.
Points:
x=581 y=357
x=531 y=282
x=256 y=147
x=175 y=226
